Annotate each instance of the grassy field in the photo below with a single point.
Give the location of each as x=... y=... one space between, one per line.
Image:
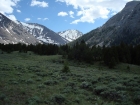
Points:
x=29 y=79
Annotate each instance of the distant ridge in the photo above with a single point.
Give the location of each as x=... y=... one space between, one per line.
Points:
x=70 y=34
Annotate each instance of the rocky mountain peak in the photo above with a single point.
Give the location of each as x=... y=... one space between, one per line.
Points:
x=70 y=34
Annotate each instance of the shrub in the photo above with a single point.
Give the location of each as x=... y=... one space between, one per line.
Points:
x=4 y=100
x=50 y=82
x=94 y=81
x=77 y=100
x=113 y=94
x=33 y=100
x=65 y=68
x=41 y=86
x=136 y=97
x=58 y=98
x=2 y=97
x=71 y=84
x=41 y=74
x=67 y=90
x=14 y=82
x=85 y=85
x=29 y=81
x=38 y=79
x=100 y=89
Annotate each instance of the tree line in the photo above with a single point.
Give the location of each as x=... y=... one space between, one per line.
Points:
x=81 y=52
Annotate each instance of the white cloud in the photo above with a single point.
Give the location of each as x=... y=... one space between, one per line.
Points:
x=6 y=6
x=18 y=11
x=62 y=13
x=42 y=18
x=38 y=3
x=12 y=17
x=90 y=10
x=27 y=19
x=71 y=13
x=38 y=18
x=45 y=19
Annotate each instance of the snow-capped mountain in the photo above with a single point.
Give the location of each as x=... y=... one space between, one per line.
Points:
x=43 y=34
x=11 y=32
x=28 y=33
x=70 y=35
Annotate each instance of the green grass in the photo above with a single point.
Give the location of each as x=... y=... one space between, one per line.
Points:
x=29 y=79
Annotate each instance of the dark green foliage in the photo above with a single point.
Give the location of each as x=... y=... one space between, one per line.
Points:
x=66 y=68
x=33 y=101
x=50 y=82
x=2 y=97
x=112 y=63
x=85 y=85
x=41 y=86
x=58 y=99
x=136 y=97
x=128 y=68
x=82 y=52
x=29 y=81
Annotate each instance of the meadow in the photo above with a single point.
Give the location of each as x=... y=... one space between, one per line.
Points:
x=30 y=79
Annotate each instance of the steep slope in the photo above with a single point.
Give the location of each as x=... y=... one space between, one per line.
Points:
x=124 y=26
x=10 y=32
x=70 y=35
x=43 y=34
x=28 y=33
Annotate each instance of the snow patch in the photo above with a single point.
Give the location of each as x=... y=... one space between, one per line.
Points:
x=8 y=31
x=70 y=35
x=30 y=28
x=47 y=40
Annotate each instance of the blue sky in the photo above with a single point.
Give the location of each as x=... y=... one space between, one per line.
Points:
x=60 y=15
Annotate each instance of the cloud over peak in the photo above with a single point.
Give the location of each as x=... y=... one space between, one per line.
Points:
x=38 y=3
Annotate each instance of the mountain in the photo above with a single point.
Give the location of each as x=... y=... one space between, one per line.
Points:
x=123 y=27
x=16 y=31
x=70 y=35
x=43 y=34
x=10 y=32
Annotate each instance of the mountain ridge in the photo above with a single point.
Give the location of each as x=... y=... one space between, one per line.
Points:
x=10 y=32
x=122 y=27
x=27 y=33
x=43 y=33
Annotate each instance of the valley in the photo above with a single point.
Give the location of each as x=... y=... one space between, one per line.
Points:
x=41 y=67
x=30 y=79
